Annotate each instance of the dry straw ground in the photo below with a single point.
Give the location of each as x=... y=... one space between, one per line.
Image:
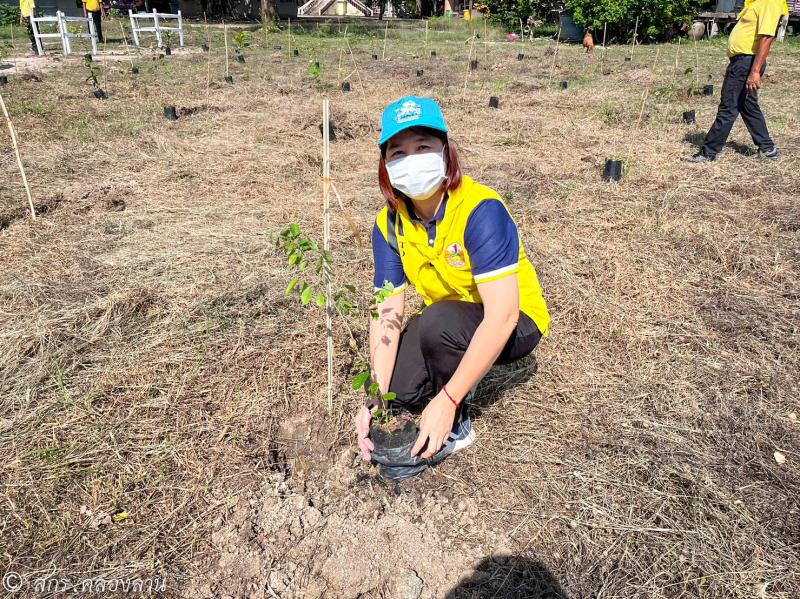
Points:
x=150 y=365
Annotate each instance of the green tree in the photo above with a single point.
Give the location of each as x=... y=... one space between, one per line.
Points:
x=657 y=18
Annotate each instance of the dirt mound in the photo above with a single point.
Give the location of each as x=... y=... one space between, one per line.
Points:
x=340 y=533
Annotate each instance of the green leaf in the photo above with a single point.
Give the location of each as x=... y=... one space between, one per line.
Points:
x=291 y=286
x=374 y=388
x=294 y=258
x=303 y=264
x=294 y=229
x=350 y=288
x=307 y=294
x=321 y=300
x=360 y=379
x=389 y=396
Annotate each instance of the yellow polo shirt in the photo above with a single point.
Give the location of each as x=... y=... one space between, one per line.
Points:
x=92 y=5
x=26 y=7
x=759 y=17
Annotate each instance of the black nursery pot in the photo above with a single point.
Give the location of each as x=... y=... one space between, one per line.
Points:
x=100 y=94
x=420 y=72
x=689 y=117
x=167 y=51
x=393 y=450
x=170 y=114
x=473 y=65
x=374 y=57
x=346 y=86
x=494 y=102
x=229 y=79
x=296 y=52
x=433 y=53
x=316 y=64
x=3 y=79
x=331 y=131
x=205 y=47
x=564 y=84
x=87 y=57
x=240 y=58
x=708 y=90
x=134 y=70
x=277 y=47
x=627 y=59
x=520 y=56
x=613 y=170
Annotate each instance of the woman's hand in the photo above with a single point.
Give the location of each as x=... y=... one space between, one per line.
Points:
x=363 y=418
x=435 y=425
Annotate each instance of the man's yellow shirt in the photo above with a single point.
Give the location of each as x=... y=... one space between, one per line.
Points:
x=759 y=17
x=92 y=5
x=26 y=7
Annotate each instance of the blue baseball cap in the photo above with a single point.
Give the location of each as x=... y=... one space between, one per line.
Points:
x=410 y=111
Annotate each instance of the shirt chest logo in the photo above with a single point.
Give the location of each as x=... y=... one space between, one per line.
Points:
x=454 y=254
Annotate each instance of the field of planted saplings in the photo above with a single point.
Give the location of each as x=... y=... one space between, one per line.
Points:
x=166 y=416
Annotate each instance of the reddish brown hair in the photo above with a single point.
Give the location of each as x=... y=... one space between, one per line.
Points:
x=453 y=172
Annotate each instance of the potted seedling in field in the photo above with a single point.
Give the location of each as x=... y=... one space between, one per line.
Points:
x=241 y=40
x=168 y=43
x=92 y=74
x=393 y=430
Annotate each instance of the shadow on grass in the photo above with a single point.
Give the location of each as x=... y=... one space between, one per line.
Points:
x=508 y=576
x=698 y=138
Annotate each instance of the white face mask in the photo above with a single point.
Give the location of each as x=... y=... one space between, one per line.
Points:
x=419 y=175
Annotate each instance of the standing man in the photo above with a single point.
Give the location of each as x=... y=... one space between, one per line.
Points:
x=748 y=47
x=27 y=10
x=93 y=8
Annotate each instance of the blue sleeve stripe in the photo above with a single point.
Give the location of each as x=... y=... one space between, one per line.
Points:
x=491 y=239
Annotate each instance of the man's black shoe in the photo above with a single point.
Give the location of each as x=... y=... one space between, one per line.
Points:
x=698 y=158
x=773 y=154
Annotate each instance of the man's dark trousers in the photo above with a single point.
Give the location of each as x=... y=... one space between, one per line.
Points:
x=737 y=100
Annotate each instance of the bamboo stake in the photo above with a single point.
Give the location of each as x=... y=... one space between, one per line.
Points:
x=635 y=33
x=125 y=41
x=605 y=50
x=225 y=34
x=485 y=40
x=290 y=37
x=469 y=66
x=326 y=206
x=13 y=45
x=19 y=158
x=696 y=64
x=208 y=62
x=675 y=68
x=360 y=81
x=350 y=223
x=555 y=54
x=426 y=37
x=339 y=71
x=521 y=30
x=385 y=34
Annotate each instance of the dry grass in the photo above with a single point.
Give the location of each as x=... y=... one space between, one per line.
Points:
x=148 y=357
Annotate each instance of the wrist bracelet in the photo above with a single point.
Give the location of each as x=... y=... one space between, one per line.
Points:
x=455 y=403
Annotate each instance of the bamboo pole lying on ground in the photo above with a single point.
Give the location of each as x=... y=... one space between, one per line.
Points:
x=19 y=158
x=326 y=239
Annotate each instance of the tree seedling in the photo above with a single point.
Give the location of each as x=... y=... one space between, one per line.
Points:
x=315 y=266
x=314 y=70
x=241 y=40
x=92 y=78
x=168 y=46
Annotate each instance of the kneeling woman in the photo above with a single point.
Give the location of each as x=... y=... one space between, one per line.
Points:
x=455 y=242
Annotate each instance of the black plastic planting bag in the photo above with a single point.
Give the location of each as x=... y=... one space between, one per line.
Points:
x=392 y=453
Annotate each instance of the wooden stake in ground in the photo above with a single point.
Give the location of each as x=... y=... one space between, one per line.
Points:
x=225 y=34
x=635 y=33
x=469 y=66
x=385 y=34
x=603 y=57
x=555 y=54
x=19 y=158
x=326 y=239
x=426 y=37
x=696 y=64
x=290 y=37
x=675 y=69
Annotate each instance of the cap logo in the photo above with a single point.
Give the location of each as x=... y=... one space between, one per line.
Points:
x=408 y=111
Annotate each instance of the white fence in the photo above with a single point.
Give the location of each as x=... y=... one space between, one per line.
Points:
x=63 y=34
x=156 y=27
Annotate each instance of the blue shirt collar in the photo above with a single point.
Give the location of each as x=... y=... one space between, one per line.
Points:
x=438 y=217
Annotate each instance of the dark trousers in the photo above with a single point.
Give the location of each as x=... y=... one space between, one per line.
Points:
x=30 y=34
x=737 y=100
x=433 y=343
x=98 y=24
